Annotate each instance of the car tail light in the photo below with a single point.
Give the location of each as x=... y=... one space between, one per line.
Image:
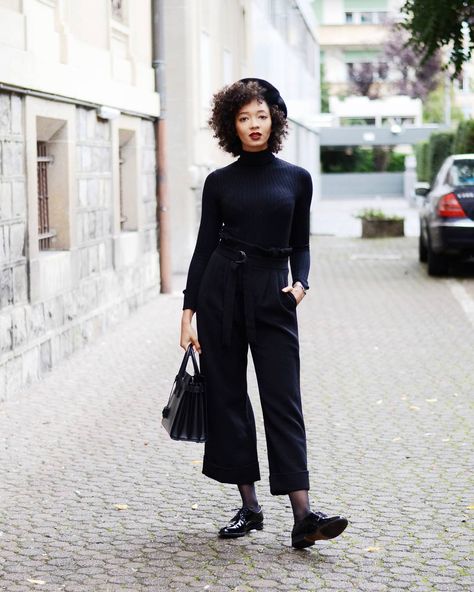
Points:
x=449 y=207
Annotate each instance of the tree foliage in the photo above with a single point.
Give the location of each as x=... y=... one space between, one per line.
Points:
x=464 y=138
x=365 y=77
x=411 y=75
x=324 y=91
x=440 y=147
x=434 y=24
x=400 y=67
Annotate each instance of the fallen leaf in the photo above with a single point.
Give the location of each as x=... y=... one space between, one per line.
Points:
x=431 y=400
x=32 y=581
x=414 y=408
x=379 y=402
x=471 y=507
x=397 y=439
x=196 y=462
x=446 y=439
x=373 y=549
x=121 y=506
x=194 y=506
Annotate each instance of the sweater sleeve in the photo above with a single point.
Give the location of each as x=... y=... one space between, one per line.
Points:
x=207 y=240
x=300 y=232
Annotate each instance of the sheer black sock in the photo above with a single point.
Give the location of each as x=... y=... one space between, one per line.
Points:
x=300 y=504
x=249 y=496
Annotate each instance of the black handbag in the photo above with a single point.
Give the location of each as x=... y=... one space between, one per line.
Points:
x=184 y=417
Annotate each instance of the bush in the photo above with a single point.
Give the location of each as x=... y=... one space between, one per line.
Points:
x=358 y=160
x=396 y=162
x=440 y=147
x=464 y=138
x=376 y=214
x=421 y=151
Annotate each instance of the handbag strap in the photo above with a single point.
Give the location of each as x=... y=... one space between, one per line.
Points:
x=188 y=354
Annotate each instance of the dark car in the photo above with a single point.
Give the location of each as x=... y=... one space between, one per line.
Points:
x=447 y=214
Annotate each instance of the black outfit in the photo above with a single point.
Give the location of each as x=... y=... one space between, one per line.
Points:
x=255 y=213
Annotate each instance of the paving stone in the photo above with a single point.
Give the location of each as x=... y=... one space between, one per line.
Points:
x=381 y=367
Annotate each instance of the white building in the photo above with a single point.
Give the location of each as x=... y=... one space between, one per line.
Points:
x=395 y=110
x=351 y=32
x=211 y=43
x=78 y=246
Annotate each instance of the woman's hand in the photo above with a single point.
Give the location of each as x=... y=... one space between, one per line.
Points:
x=188 y=334
x=296 y=290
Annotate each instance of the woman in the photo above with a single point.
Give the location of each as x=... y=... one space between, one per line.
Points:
x=255 y=214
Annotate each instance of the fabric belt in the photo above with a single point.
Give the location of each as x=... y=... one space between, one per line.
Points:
x=242 y=256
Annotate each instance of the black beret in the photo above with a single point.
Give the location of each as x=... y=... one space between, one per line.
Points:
x=270 y=94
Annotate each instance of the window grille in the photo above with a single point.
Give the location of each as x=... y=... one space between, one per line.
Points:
x=45 y=233
x=123 y=217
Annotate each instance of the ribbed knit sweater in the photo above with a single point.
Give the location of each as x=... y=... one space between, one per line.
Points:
x=258 y=199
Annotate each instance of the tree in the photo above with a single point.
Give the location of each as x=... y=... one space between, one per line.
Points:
x=433 y=106
x=400 y=67
x=434 y=24
x=365 y=78
x=411 y=74
x=324 y=91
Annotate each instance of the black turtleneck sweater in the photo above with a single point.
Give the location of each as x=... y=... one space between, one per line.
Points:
x=259 y=199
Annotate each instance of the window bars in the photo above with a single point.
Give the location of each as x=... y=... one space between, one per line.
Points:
x=45 y=233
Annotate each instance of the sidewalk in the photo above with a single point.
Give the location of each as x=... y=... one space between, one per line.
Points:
x=96 y=498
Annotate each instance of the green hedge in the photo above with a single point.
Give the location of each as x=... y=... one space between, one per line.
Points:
x=358 y=160
x=440 y=147
x=464 y=138
x=430 y=154
x=422 y=172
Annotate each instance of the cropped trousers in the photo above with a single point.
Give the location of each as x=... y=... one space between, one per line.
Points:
x=240 y=305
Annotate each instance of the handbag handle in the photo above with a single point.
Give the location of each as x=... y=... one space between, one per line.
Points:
x=189 y=354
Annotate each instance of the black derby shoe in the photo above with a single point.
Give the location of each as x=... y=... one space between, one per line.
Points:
x=316 y=526
x=244 y=521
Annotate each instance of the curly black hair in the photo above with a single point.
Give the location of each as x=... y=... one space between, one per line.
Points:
x=227 y=103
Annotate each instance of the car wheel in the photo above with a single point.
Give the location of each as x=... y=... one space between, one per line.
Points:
x=422 y=250
x=438 y=263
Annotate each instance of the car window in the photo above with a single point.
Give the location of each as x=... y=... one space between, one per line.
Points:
x=441 y=176
x=462 y=172
x=452 y=178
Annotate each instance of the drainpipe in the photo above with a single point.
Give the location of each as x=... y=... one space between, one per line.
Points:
x=163 y=214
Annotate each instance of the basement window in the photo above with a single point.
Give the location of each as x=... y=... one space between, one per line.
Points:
x=45 y=232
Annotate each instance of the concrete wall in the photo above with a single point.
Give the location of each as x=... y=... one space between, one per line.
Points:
x=356 y=185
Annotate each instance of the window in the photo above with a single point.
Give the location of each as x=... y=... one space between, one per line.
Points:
x=53 y=189
x=366 y=17
x=349 y=17
x=45 y=233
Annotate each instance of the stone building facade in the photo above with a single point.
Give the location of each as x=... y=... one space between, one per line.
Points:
x=78 y=230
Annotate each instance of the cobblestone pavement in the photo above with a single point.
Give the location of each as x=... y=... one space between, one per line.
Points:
x=387 y=384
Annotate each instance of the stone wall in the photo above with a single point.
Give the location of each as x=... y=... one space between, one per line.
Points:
x=103 y=285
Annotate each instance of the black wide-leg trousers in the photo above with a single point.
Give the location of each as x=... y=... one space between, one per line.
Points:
x=253 y=309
